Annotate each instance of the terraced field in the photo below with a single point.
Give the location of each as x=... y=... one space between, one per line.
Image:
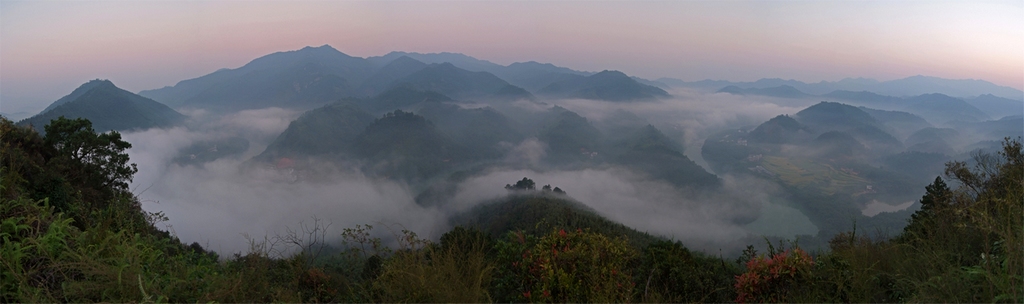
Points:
x=804 y=173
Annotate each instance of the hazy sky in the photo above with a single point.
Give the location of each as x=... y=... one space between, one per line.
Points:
x=49 y=48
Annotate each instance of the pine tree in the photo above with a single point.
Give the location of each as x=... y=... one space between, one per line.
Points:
x=936 y=197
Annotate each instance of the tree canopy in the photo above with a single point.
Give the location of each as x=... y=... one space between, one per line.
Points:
x=99 y=158
x=524 y=184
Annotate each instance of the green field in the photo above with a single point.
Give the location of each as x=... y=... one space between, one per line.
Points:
x=804 y=173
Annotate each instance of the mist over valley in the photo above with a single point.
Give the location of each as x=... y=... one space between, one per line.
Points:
x=399 y=141
x=505 y=151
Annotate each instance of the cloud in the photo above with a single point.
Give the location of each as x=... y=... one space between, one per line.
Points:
x=689 y=117
x=217 y=203
x=707 y=221
x=529 y=152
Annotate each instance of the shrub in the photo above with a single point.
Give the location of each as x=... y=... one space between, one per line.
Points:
x=669 y=272
x=562 y=266
x=774 y=279
x=456 y=273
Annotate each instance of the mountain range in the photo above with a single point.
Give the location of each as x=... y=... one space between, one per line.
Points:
x=909 y=86
x=431 y=136
x=446 y=78
x=833 y=159
x=935 y=107
x=315 y=76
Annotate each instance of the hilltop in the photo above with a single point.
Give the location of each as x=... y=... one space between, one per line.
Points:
x=109 y=108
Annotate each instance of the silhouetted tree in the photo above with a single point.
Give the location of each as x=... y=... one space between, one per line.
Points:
x=94 y=165
x=937 y=196
x=524 y=184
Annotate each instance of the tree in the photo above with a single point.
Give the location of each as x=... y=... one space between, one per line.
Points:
x=96 y=165
x=936 y=197
x=972 y=234
x=102 y=155
x=524 y=184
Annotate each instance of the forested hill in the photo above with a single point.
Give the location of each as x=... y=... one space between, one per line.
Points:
x=538 y=211
x=109 y=108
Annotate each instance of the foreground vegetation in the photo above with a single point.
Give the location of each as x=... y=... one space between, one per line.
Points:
x=72 y=232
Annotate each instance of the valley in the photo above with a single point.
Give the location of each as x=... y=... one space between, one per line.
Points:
x=430 y=128
x=511 y=151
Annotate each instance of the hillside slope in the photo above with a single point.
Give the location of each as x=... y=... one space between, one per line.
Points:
x=109 y=108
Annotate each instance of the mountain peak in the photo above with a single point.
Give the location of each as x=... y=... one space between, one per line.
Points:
x=833 y=113
x=531 y=62
x=403 y=59
x=607 y=85
x=447 y=65
x=325 y=47
x=98 y=81
x=934 y=96
x=611 y=73
x=81 y=90
x=102 y=85
x=324 y=54
x=95 y=83
x=109 y=108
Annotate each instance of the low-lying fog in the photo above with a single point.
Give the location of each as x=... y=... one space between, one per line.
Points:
x=218 y=203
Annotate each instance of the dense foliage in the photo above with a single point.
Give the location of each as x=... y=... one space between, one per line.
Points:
x=72 y=232
x=963 y=245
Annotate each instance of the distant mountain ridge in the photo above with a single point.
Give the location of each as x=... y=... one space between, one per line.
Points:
x=460 y=60
x=109 y=108
x=315 y=76
x=302 y=78
x=446 y=78
x=996 y=106
x=863 y=97
x=937 y=108
x=944 y=108
x=909 y=86
x=384 y=77
x=606 y=85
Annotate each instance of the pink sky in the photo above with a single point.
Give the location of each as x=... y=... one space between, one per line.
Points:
x=47 y=49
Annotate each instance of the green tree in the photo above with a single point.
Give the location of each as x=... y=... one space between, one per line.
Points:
x=989 y=205
x=524 y=184
x=102 y=157
x=936 y=198
x=94 y=165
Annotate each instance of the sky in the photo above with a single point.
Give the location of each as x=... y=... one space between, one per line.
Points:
x=48 y=48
